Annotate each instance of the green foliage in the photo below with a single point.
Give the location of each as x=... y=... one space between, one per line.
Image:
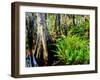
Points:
x=81 y=29
x=72 y=50
x=76 y=30
x=51 y=22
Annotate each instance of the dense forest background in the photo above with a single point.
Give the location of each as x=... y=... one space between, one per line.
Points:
x=56 y=39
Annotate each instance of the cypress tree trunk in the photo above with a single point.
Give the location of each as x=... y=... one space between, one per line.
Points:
x=42 y=39
x=63 y=23
x=73 y=19
x=30 y=39
x=57 y=24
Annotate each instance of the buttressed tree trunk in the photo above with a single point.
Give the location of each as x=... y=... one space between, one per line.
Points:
x=41 y=35
x=30 y=39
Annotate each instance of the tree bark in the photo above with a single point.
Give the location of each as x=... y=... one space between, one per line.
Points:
x=57 y=24
x=41 y=34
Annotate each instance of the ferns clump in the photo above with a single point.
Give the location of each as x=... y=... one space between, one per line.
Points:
x=72 y=50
